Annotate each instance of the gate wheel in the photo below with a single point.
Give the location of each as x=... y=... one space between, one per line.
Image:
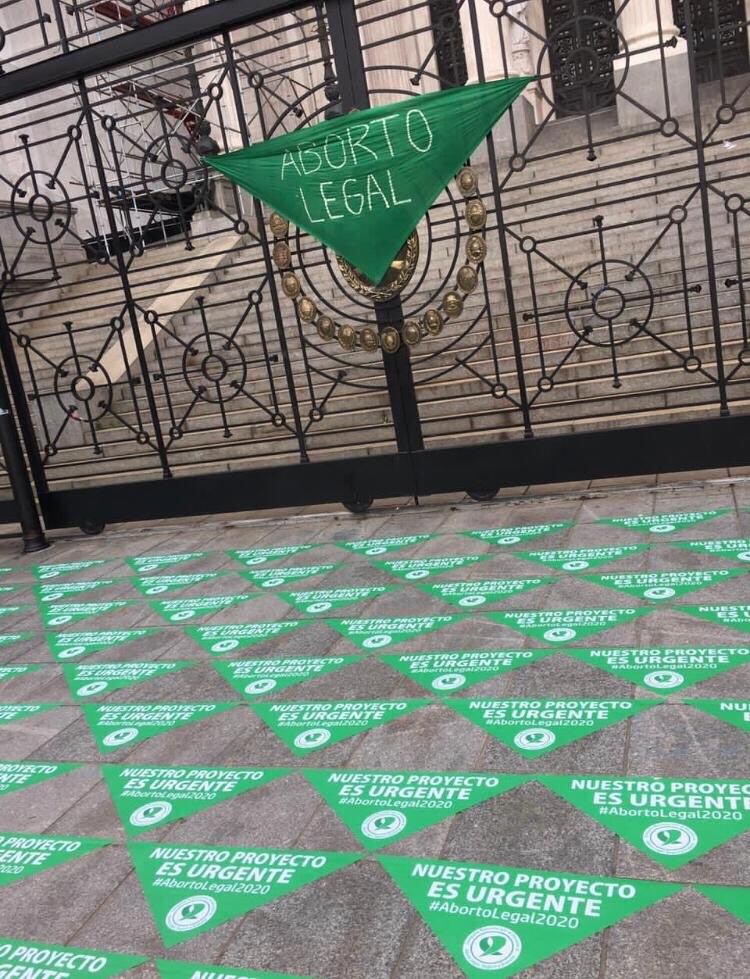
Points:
x=359 y=505
x=92 y=527
x=483 y=495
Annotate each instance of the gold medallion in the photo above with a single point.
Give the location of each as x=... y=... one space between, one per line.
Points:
x=290 y=284
x=347 y=337
x=476 y=249
x=326 y=328
x=467 y=278
x=368 y=339
x=282 y=254
x=306 y=309
x=466 y=181
x=394 y=281
x=390 y=340
x=411 y=333
x=452 y=304
x=433 y=322
x=476 y=214
x=279 y=226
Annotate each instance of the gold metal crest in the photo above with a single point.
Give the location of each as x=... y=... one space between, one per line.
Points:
x=396 y=279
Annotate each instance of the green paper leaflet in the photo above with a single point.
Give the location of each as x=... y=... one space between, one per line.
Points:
x=673 y=821
x=161 y=583
x=382 y=545
x=169 y=969
x=64 y=614
x=255 y=677
x=16 y=775
x=534 y=727
x=192 y=889
x=737 y=549
x=8 y=638
x=661 y=586
x=275 y=577
x=559 y=626
x=419 y=568
x=46 y=571
x=503 y=920
x=581 y=558
x=61 y=961
x=148 y=797
x=734 y=712
x=60 y=590
x=378 y=633
x=382 y=807
x=444 y=673
x=262 y=555
x=184 y=609
x=218 y=639
x=5 y=570
x=306 y=727
x=731 y=616
x=25 y=854
x=155 y=562
x=735 y=900
x=507 y=536
x=663 y=523
x=15 y=609
x=87 y=680
x=324 y=600
x=472 y=594
x=13 y=672
x=115 y=725
x=9 y=589
x=19 y=712
x=664 y=669
x=71 y=645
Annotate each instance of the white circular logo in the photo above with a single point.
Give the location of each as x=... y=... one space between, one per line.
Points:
x=190 y=913
x=671 y=839
x=492 y=948
x=664 y=679
x=49 y=574
x=59 y=619
x=662 y=528
x=510 y=539
x=420 y=573
x=319 y=607
x=534 y=739
x=376 y=550
x=150 y=814
x=89 y=689
x=271 y=582
x=743 y=555
x=470 y=600
x=313 y=738
x=187 y=613
x=255 y=560
x=71 y=651
x=574 y=565
x=261 y=685
x=560 y=634
x=149 y=567
x=448 y=681
x=224 y=645
x=52 y=597
x=156 y=589
x=121 y=736
x=382 y=825
x=375 y=642
x=659 y=593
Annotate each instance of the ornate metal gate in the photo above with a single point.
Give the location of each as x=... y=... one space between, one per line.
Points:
x=172 y=347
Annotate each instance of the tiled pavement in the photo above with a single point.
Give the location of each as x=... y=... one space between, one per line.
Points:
x=356 y=924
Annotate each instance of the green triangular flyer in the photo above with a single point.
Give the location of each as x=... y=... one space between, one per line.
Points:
x=507 y=536
x=306 y=727
x=9 y=589
x=661 y=586
x=184 y=609
x=19 y=712
x=734 y=712
x=161 y=583
x=16 y=775
x=564 y=625
x=115 y=725
x=71 y=645
x=262 y=555
x=46 y=571
x=61 y=590
x=87 y=680
x=324 y=600
x=169 y=969
x=25 y=854
x=14 y=609
x=731 y=616
x=502 y=920
x=192 y=889
x=735 y=900
x=6 y=570
x=63 y=614
x=378 y=633
x=155 y=562
x=382 y=545
x=147 y=796
x=663 y=523
x=581 y=558
x=472 y=594
x=444 y=673
x=417 y=569
x=535 y=727
x=255 y=677
x=673 y=821
x=276 y=577
x=664 y=669
x=220 y=639
x=382 y=807
x=12 y=672
x=64 y=961
x=8 y=638
x=737 y=549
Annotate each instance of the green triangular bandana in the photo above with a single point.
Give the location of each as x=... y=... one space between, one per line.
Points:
x=192 y=889
x=472 y=594
x=737 y=549
x=673 y=821
x=220 y=639
x=419 y=568
x=25 y=854
x=159 y=584
x=71 y=645
x=19 y=712
x=663 y=523
x=255 y=677
x=15 y=609
x=63 y=589
x=361 y=183
x=63 y=961
x=383 y=807
x=443 y=673
x=115 y=725
x=377 y=633
x=564 y=625
x=16 y=775
x=582 y=558
x=168 y=969
x=501 y=920
x=731 y=616
x=306 y=727
x=8 y=638
x=735 y=900
x=184 y=609
x=148 y=797
x=155 y=562
x=87 y=680
x=507 y=536
x=262 y=555
x=56 y=615
x=734 y=712
x=12 y=672
x=661 y=586
x=664 y=669
x=382 y=545
x=276 y=577
x=322 y=601
x=46 y=571
x=534 y=727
